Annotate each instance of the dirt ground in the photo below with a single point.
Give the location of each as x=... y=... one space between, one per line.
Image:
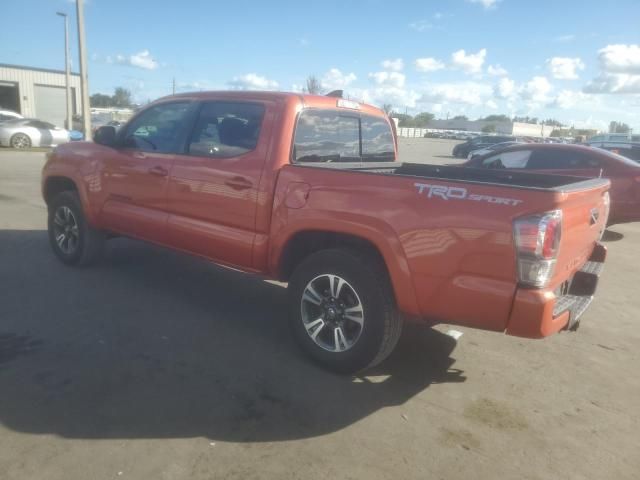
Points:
x=156 y=365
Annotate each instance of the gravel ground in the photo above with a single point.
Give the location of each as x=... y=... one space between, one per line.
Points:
x=157 y=365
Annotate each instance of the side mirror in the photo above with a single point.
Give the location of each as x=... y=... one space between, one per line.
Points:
x=105 y=135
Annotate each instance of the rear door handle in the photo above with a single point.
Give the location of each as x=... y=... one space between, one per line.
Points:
x=239 y=183
x=159 y=171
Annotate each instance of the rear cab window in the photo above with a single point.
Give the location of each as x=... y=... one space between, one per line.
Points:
x=337 y=136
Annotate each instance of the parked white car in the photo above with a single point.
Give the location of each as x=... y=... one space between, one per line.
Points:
x=30 y=132
x=8 y=115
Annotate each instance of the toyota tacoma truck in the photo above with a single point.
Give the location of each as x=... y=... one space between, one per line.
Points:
x=307 y=190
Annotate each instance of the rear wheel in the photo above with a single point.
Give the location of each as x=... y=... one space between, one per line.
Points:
x=72 y=239
x=20 y=140
x=342 y=310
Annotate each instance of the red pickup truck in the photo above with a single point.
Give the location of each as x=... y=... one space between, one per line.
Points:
x=306 y=189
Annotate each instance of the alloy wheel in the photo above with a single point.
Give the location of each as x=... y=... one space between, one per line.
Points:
x=65 y=230
x=332 y=313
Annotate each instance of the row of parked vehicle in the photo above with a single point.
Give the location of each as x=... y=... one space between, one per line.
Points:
x=19 y=132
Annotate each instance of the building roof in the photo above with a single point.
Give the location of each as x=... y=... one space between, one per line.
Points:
x=36 y=69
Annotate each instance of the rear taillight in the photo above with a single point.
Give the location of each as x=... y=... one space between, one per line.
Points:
x=537 y=239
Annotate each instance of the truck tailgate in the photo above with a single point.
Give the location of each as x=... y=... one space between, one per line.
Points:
x=584 y=219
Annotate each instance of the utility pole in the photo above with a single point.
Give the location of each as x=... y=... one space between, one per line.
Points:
x=174 y=85
x=67 y=68
x=84 y=80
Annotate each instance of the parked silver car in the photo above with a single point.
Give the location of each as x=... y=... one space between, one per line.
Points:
x=30 y=132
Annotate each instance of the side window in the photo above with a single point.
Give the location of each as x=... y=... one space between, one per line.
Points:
x=158 y=129
x=326 y=136
x=377 y=140
x=517 y=159
x=561 y=159
x=226 y=129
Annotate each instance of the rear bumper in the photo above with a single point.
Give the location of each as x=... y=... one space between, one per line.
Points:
x=540 y=313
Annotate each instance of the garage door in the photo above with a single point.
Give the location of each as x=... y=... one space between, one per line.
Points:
x=51 y=104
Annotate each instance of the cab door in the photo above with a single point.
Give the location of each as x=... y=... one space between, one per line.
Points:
x=135 y=175
x=213 y=188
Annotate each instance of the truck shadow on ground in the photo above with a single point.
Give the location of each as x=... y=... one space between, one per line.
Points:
x=611 y=236
x=154 y=344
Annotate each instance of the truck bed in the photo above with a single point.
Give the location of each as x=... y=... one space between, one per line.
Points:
x=537 y=181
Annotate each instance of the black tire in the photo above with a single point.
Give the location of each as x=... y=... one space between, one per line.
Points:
x=88 y=242
x=20 y=140
x=381 y=324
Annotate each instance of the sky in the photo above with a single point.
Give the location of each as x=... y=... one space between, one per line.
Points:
x=575 y=61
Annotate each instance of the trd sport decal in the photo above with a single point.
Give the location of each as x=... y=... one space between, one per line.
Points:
x=459 y=193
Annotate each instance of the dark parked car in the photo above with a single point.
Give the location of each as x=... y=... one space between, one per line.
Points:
x=583 y=161
x=462 y=149
x=629 y=150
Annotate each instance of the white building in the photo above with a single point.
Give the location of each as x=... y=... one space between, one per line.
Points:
x=38 y=93
x=505 y=128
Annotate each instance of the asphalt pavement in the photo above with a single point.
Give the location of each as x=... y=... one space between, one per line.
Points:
x=158 y=365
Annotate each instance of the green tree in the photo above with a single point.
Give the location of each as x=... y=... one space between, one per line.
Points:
x=121 y=98
x=460 y=117
x=553 y=122
x=388 y=108
x=404 y=120
x=313 y=85
x=100 y=100
x=619 y=127
x=526 y=119
x=489 y=128
x=496 y=118
x=422 y=119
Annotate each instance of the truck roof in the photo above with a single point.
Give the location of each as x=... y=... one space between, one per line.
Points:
x=307 y=100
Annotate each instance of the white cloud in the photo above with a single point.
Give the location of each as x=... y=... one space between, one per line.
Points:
x=620 y=70
x=466 y=93
x=567 y=99
x=141 y=59
x=393 y=79
x=496 y=70
x=620 y=58
x=396 y=64
x=420 y=26
x=428 y=64
x=486 y=3
x=614 y=83
x=536 y=90
x=334 y=79
x=505 y=88
x=398 y=97
x=491 y=104
x=252 y=81
x=565 y=68
x=565 y=38
x=469 y=63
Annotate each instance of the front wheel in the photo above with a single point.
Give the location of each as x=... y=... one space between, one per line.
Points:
x=20 y=140
x=342 y=310
x=72 y=239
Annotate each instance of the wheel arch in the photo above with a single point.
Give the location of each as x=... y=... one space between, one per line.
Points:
x=300 y=244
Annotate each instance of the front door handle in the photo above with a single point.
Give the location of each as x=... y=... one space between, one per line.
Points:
x=239 y=183
x=159 y=171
